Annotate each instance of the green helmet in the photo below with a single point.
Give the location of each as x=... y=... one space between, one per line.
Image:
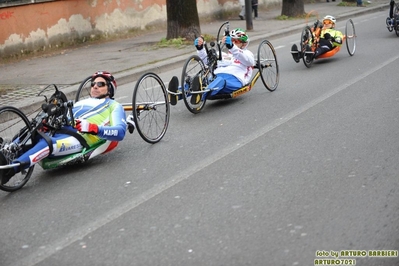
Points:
x=239 y=34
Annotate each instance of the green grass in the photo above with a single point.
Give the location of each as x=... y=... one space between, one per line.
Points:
x=176 y=42
x=343 y=3
x=283 y=17
x=180 y=42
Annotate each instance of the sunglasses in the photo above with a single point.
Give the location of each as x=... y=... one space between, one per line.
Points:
x=99 y=84
x=327 y=22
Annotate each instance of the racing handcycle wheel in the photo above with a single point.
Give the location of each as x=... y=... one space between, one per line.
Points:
x=350 y=37
x=194 y=67
x=15 y=138
x=151 y=108
x=396 y=18
x=83 y=90
x=268 y=66
x=306 y=39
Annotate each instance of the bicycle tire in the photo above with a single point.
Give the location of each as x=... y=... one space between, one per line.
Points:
x=268 y=65
x=306 y=39
x=151 y=108
x=192 y=68
x=350 y=37
x=83 y=90
x=395 y=14
x=15 y=128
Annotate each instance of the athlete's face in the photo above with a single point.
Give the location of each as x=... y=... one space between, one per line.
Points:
x=239 y=44
x=99 y=87
x=328 y=24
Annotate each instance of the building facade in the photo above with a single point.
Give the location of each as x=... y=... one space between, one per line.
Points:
x=32 y=25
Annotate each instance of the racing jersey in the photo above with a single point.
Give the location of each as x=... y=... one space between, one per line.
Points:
x=238 y=62
x=107 y=114
x=337 y=35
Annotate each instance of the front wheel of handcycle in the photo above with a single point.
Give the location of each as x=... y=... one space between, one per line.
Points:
x=15 y=138
x=268 y=66
x=151 y=107
x=193 y=67
x=350 y=37
x=307 y=40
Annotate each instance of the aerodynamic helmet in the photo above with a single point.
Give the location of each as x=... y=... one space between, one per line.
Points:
x=239 y=34
x=111 y=82
x=329 y=20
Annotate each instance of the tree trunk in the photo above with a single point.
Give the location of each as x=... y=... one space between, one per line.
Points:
x=293 y=8
x=182 y=19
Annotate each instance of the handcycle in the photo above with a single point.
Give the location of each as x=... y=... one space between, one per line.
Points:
x=395 y=16
x=310 y=36
x=149 y=107
x=194 y=67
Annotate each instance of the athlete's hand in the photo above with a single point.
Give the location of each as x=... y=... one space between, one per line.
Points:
x=85 y=127
x=199 y=43
x=44 y=127
x=327 y=36
x=229 y=42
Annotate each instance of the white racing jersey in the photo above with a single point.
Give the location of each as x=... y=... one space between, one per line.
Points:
x=238 y=62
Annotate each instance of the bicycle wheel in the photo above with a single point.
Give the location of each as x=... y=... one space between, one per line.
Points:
x=15 y=138
x=268 y=66
x=396 y=24
x=83 y=90
x=350 y=37
x=193 y=67
x=151 y=107
x=306 y=40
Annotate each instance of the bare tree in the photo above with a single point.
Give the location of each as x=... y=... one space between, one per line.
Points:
x=293 y=8
x=182 y=19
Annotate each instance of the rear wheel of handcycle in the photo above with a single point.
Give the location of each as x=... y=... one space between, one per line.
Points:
x=396 y=26
x=268 y=66
x=83 y=90
x=14 y=129
x=306 y=39
x=350 y=37
x=396 y=18
x=193 y=67
x=151 y=109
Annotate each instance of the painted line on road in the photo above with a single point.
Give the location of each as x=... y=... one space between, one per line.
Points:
x=79 y=233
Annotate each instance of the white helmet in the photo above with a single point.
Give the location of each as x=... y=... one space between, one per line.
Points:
x=330 y=20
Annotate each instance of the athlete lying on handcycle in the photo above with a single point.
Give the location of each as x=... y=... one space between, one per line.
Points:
x=326 y=37
x=232 y=72
x=94 y=127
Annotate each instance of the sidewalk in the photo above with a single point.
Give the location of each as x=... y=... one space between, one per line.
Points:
x=130 y=58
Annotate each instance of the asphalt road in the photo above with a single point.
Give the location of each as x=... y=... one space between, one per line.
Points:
x=269 y=178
